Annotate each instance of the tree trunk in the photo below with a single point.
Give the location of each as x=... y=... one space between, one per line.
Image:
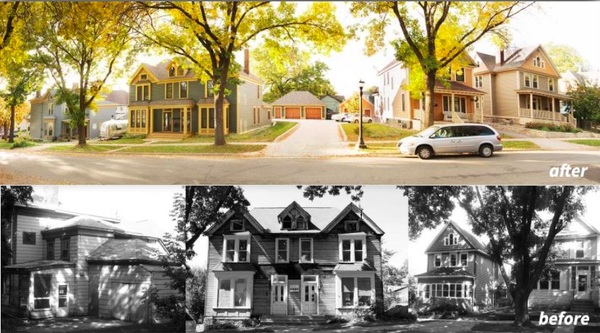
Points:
x=4 y=135
x=81 y=132
x=11 y=136
x=429 y=100
x=520 y=298
x=219 y=110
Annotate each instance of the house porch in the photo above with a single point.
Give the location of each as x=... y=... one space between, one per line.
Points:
x=546 y=107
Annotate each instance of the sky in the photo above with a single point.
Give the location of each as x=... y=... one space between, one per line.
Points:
x=147 y=207
x=418 y=260
x=569 y=23
x=385 y=205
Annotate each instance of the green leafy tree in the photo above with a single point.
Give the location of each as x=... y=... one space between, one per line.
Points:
x=88 y=39
x=287 y=68
x=436 y=35
x=208 y=33
x=353 y=104
x=586 y=102
x=11 y=195
x=566 y=58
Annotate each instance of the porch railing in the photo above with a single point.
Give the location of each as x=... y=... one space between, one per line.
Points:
x=547 y=115
x=456 y=117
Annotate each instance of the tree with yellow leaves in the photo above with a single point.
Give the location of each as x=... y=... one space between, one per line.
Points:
x=89 y=39
x=436 y=34
x=207 y=33
x=7 y=112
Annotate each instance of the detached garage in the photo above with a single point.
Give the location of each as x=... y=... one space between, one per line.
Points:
x=299 y=105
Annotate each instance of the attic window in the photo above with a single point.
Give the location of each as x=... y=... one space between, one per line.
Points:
x=351 y=226
x=538 y=62
x=172 y=71
x=287 y=223
x=451 y=239
x=460 y=75
x=300 y=223
x=144 y=77
x=237 y=225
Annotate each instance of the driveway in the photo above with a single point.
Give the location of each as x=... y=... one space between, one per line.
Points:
x=311 y=138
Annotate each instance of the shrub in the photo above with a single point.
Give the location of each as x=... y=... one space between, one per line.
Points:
x=195 y=292
x=565 y=128
x=233 y=324
x=21 y=144
x=400 y=312
x=171 y=307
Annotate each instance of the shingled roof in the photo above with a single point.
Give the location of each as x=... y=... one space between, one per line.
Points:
x=320 y=217
x=298 y=98
x=119 y=97
x=85 y=221
x=128 y=251
x=453 y=85
x=161 y=71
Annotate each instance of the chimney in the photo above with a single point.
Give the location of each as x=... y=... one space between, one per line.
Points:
x=500 y=57
x=247 y=61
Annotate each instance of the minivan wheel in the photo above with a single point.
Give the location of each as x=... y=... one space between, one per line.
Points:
x=425 y=152
x=486 y=151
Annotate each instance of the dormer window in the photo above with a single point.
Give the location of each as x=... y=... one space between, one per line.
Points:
x=294 y=220
x=172 y=71
x=460 y=75
x=351 y=226
x=300 y=223
x=286 y=223
x=179 y=71
x=237 y=225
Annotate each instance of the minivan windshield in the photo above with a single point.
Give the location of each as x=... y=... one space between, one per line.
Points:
x=427 y=132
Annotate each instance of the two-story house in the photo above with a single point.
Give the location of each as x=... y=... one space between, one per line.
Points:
x=49 y=120
x=169 y=100
x=459 y=271
x=522 y=85
x=67 y=264
x=574 y=280
x=457 y=95
x=293 y=260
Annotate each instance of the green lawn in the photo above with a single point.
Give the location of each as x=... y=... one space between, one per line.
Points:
x=83 y=149
x=129 y=140
x=587 y=142
x=201 y=149
x=519 y=145
x=268 y=134
x=17 y=144
x=376 y=132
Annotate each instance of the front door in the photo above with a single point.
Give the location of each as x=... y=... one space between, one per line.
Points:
x=582 y=283
x=309 y=295
x=167 y=121
x=279 y=295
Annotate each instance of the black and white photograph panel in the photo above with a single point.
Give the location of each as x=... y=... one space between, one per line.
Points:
x=92 y=258
x=296 y=257
x=506 y=259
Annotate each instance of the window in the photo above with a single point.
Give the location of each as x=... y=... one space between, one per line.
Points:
x=258 y=91
x=50 y=109
x=364 y=291
x=144 y=77
x=282 y=249
x=64 y=249
x=437 y=261
x=233 y=292
x=172 y=71
x=352 y=249
x=237 y=248
x=169 y=91
x=286 y=223
x=50 y=250
x=48 y=129
x=445 y=290
x=426 y=290
x=237 y=225
x=351 y=226
x=142 y=92
x=451 y=239
x=347 y=291
x=551 y=84
x=453 y=259
x=535 y=81
x=179 y=71
x=41 y=291
x=527 y=79
x=403 y=108
x=478 y=81
x=306 y=250
x=300 y=223
x=464 y=259
x=555 y=282
x=224 y=298
x=538 y=62
x=29 y=238
x=460 y=75
x=183 y=90
x=62 y=296
x=240 y=292
x=579 y=249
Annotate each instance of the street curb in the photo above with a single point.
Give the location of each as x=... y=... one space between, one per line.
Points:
x=288 y=132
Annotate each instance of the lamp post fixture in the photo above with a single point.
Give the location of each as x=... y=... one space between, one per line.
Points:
x=361 y=142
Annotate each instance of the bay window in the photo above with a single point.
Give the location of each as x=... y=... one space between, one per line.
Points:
x=236 y=248
x=356 y=290
x=446 y=290
x=352 y=248
x=234 y=290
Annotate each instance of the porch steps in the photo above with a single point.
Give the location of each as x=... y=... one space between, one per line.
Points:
x=582 y=305
x=293 y=320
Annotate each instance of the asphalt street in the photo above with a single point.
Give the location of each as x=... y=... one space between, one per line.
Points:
x=511 y=168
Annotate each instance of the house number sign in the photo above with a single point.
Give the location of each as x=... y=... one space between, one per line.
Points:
x=294 y=288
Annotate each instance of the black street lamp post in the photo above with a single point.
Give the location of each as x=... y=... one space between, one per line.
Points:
x=361 y=142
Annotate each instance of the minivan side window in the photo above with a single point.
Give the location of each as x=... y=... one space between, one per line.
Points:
x=486 y=131
x=445 y=132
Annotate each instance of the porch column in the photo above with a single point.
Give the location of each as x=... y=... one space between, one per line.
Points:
x=531 y=105
x=184 y=110
x=553 y=113
x=452 y=106
x=151 y=120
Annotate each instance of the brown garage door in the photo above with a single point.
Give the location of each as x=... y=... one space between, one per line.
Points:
x=292 y=113
x=277 y=113
x=313 y=113
x=368 y=113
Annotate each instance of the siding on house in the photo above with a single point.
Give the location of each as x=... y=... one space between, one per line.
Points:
x=506 y=84
x=249 y=98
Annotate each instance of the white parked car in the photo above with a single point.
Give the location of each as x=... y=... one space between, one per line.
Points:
x=340 y=116
x=455 y=138
x=355 y=118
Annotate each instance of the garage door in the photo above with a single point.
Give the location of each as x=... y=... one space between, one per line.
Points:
x=278 y=113
x=368 y=113
x=292 y=113
x=313 y=113
x=127 y=303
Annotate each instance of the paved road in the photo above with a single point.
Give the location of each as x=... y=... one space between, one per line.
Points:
x=311 y=138
x=516 y=168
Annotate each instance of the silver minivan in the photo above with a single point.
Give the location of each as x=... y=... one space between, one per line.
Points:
x=452 y=139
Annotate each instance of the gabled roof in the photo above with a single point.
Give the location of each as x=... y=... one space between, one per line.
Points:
x=298 y=98
x=389 y=66
x=292 y=206
x=514 y=58
x=229 y=215
x=339 y=98
x=119 y=97
x=320 y=217
x=85 y=221
x=576 y=227
x=447 y=272
x=128 y=251
x=358 y=211
x=457 y=86
x=469 y=238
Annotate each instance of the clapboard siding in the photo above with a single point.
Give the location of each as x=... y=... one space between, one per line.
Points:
x=29 y=252
x=81 y=247
x=60 y=276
